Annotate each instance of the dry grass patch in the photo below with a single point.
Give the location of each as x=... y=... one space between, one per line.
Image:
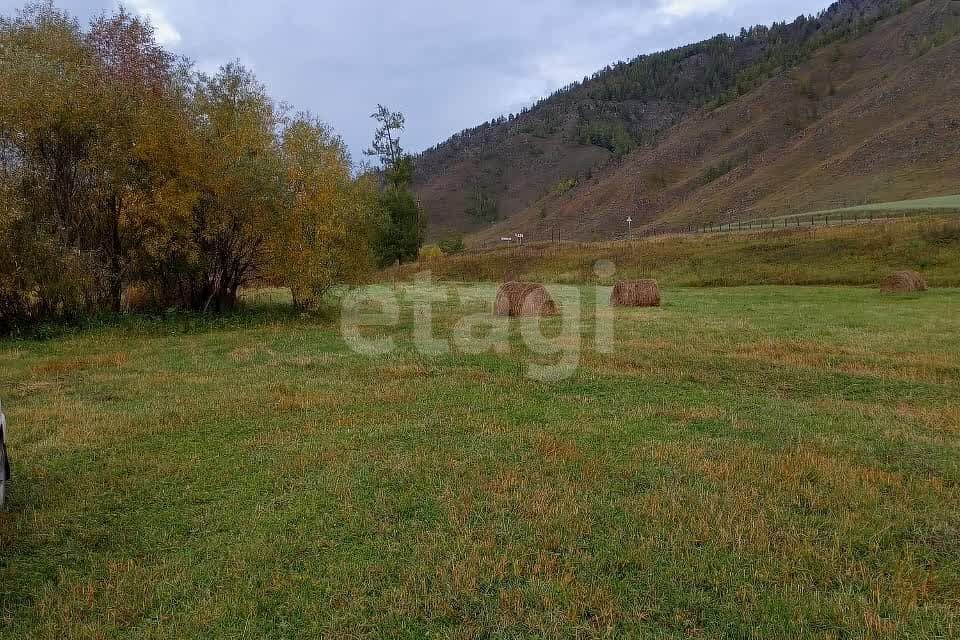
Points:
x=299 y=401
x=555 y=449
x=249 y=353
x=62 y=366
x=686 y=414
x=405 y=371
x=943 y=419
x=914 y=367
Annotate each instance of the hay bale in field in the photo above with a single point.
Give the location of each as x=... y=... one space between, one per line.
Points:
x=903 y=282
x=505 y=296
x=636 y=293
x=516 y=299
x=536 y=301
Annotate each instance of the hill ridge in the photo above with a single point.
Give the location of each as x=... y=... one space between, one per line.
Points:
x=821 y=66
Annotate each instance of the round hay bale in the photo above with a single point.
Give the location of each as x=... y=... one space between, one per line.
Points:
x=535 y=301
x=505 y=297
x=636 y=293
x=903 y=282
x=516 y=299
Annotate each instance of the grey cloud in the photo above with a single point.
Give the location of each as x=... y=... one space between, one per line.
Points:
x=447 y=65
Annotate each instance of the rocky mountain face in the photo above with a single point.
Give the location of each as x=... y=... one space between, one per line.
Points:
x=851 y=106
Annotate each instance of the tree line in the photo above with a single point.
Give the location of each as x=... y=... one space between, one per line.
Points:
x=130 y=180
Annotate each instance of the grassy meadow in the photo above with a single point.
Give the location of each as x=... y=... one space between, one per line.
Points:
x=950 y=203
x=842 y=255
x=754 y=462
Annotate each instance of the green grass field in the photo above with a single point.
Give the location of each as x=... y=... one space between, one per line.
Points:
x=760 y=462
x=949 y=203
x=939 y=207
x=850 y=255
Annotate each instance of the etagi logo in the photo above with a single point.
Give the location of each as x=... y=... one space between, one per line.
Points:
x=451 y=318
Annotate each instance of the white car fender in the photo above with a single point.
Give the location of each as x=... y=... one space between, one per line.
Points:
x=4 y=461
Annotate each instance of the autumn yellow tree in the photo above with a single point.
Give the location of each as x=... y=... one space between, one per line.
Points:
x=323 y=238
x=139 y=149
x=239 y=187
x=89 y=123
x=48 y=127
x=123 y=169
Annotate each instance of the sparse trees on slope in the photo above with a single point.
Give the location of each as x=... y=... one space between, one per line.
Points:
x=482 y=207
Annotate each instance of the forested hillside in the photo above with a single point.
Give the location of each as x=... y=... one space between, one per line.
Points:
x=522 y=169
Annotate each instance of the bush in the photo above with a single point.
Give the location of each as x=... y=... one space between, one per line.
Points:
x=563 y=187
x=452 y=244
x=430 y=252
x=40 y=280
x=944 y=234
x=717 y=171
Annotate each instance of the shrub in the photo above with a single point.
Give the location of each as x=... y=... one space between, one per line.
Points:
x=430 y=252
x=717 y=171
x=452 y=244
x=40 y=280
x=944 y=234
x=564 y=186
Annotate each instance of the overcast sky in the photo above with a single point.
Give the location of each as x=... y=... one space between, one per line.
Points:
x=447 y=65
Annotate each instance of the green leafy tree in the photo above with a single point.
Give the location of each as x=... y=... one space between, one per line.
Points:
x=402 y=221
x=401 y=228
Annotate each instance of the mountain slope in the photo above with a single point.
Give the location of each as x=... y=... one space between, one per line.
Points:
x=854 y=105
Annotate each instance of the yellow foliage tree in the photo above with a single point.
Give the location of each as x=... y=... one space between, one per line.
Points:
x=323 y=238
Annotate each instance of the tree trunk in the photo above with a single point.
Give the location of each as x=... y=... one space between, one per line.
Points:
x=116 y=262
